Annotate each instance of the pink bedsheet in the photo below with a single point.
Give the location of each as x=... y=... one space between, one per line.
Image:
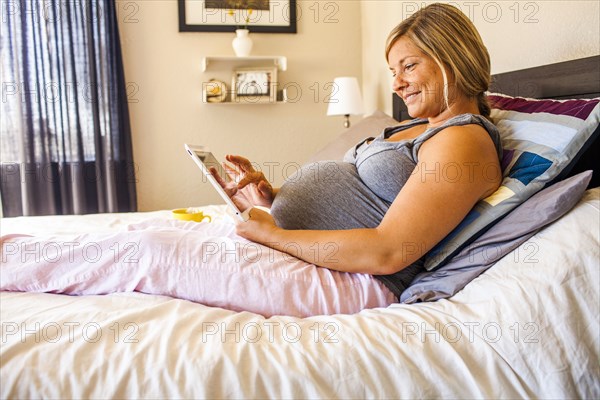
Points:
x=201 y=262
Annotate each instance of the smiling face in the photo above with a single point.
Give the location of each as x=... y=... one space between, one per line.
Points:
x=419 y=81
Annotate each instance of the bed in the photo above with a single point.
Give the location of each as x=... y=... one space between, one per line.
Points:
x=528 y=326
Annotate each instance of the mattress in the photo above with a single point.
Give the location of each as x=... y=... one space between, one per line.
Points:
x=527 y=327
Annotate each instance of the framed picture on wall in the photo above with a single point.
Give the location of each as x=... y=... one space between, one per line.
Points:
x=267 y=16
x=254 y=85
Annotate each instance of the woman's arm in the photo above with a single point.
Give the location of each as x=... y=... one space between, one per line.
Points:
x=456 y=168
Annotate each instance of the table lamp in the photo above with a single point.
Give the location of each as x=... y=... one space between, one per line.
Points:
x=345 y=99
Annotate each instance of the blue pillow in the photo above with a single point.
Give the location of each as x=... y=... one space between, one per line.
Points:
x=541 y=139
x=510 y=232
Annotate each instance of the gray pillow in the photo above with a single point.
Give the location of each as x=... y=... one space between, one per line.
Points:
x=509 y=233
x=368 y=126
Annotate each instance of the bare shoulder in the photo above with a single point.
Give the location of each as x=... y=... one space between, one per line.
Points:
x=470 y=150
x=463 y=139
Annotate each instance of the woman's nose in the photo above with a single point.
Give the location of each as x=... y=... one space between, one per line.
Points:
x=398 y=83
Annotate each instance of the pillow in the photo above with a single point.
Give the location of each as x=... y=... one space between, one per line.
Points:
x=541 y=140
x=518 y=226
x=368 y=126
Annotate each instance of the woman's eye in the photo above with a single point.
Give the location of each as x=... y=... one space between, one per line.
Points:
x=409 y=67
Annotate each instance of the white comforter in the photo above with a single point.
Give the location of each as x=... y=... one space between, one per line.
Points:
x=528 y=327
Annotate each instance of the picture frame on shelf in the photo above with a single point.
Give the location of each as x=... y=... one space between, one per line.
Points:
x=262 y=16
x=254 y=85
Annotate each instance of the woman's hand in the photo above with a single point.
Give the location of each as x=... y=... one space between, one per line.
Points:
x=259 y=228
x=231 y=188
x=247 y=187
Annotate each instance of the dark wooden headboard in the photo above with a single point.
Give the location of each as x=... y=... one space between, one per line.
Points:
x=569 y=79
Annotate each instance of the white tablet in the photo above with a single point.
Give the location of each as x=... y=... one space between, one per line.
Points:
x=204 y=159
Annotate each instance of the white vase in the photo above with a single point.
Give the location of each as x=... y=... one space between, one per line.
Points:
x=242 y=44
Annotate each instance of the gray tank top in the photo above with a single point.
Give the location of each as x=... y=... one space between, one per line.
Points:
x=358 y=191
x=386 y=166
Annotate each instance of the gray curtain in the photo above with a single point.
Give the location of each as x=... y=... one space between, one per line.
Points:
x=65 y=143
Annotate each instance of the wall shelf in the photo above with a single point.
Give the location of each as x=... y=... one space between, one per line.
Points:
x=226 y=65
x=281 y=98
x=279 y=61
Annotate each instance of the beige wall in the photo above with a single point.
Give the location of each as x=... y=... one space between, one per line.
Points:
x=518 y=34
x=162 y=67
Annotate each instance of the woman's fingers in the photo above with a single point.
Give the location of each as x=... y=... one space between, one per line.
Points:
x=253 y=177
x=215 y=174
x=231 y=172
x=248 y=179
x=244 y=164
x=230 y=189
x=265 y=190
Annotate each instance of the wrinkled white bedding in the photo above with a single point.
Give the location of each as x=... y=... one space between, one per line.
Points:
x=528 y=327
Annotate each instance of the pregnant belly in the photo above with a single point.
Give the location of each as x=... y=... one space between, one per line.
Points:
x=327 y=195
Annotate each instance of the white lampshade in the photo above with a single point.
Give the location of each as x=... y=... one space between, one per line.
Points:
x=345 y=97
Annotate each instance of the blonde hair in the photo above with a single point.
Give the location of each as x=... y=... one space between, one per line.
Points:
x=446 y=35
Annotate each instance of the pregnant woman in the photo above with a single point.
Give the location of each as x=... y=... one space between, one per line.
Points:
x=389 y=197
